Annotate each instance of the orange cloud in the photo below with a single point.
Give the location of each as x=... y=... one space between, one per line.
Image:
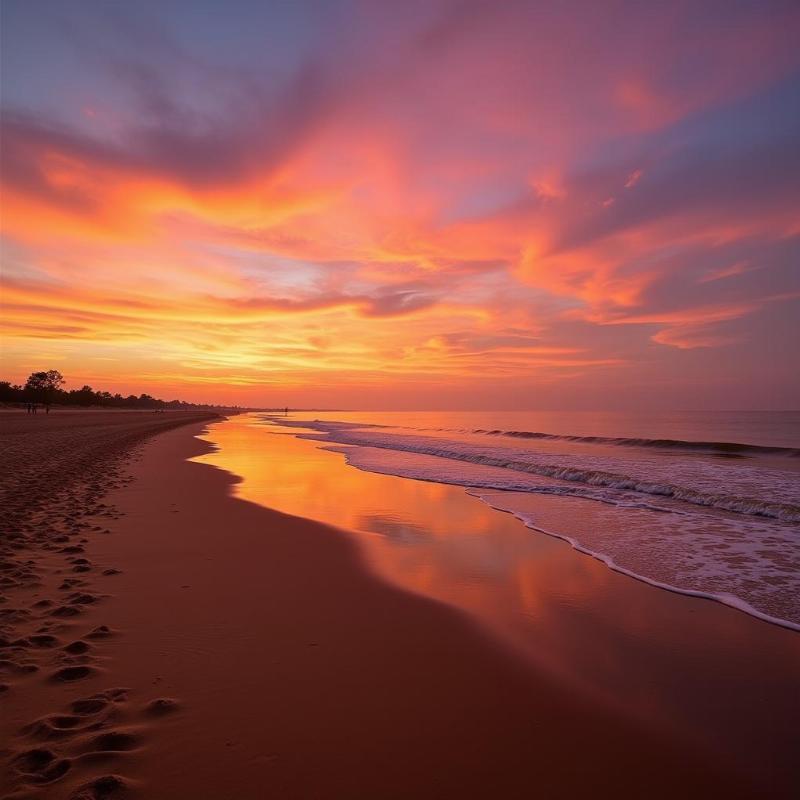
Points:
x=442 y=198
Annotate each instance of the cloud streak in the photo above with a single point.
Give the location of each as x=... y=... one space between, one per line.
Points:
x=457 y=194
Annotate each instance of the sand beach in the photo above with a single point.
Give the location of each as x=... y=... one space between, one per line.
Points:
x=164 y=638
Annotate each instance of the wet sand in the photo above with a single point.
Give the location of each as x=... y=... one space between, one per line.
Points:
x=207 y=647
x=697 y=668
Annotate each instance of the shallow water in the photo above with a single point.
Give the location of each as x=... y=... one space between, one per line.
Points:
x=707 y=517
x=707 y=672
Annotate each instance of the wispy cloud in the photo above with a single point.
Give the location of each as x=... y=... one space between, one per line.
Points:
x=443 y=192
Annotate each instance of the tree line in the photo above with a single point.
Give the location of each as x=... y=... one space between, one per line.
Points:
x=46 y=388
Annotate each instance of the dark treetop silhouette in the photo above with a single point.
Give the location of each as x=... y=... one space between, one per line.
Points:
x=45 y=387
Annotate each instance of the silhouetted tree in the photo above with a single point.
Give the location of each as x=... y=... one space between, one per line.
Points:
x=84 y=396
x=45 y=387
x=11 y=394
x=42 y=386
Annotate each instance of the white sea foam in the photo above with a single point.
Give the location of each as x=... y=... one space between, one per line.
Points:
x=741 y=488
x=726 y=531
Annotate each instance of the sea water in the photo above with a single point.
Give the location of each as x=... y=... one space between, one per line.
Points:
x=701 y=503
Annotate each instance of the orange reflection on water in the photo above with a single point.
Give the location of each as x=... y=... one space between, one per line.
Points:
x=650 y=653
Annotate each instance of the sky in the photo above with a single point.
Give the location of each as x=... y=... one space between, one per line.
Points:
x=419 y=204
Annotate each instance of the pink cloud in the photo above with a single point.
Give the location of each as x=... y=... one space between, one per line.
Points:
x=441 y=188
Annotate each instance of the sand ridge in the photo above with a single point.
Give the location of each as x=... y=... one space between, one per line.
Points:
x=55 y=471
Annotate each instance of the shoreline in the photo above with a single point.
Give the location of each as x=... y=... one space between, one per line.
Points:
x=708 y=673
x=277 y=660
x=484 y=493
x=743 y=560
x=728 y=600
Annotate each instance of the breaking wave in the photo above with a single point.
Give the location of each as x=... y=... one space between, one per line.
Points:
x=698 y=525
x=703 y=485
x=721 y=448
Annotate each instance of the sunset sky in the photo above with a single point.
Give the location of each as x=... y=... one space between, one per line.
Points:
x=405 y=204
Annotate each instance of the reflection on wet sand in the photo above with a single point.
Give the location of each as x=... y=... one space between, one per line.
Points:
x=712 y=673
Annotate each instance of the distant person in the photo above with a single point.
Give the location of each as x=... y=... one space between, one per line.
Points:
x=47 y=408
x=33 y=408
x=28 y=408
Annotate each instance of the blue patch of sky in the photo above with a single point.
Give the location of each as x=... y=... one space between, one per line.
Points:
x=486 y=200
x=58 y=57
x=273 y=272
x=770 y=114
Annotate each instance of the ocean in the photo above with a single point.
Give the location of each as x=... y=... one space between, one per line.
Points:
x=702 y=503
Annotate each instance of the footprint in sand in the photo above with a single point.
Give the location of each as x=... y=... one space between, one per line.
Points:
x=70 y=674
x=71 y=583
x=100 y=632
x=41 y=640
x=9 y=667
x=99 y=702
x=66 y=611
x=53 y=726
x=13 y=616
x=106 y=787
x=89 y=706
x=115 y=741
x=40 y=766
x=77 y=648
x=161 y=706
x=83 y=598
